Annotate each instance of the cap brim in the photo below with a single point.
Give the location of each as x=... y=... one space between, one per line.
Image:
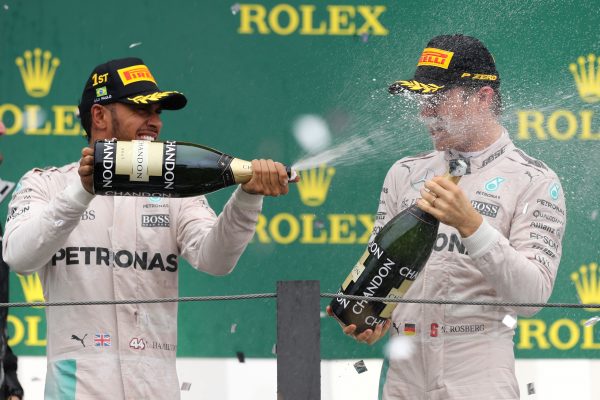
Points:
x=414 y=86
x=170 y=100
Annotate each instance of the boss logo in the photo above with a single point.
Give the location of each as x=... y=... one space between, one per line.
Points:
x=156 y=220
x=487 y=209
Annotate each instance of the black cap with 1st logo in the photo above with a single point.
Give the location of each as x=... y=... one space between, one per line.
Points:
x=126 y=80
x=451 y=60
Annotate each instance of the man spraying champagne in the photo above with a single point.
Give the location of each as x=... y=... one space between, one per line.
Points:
x=487 y=248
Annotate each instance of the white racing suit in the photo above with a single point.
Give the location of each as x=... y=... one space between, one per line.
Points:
x=465 y=352
x=88 y=247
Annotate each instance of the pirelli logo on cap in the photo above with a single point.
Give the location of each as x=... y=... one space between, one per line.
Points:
x=135 y=73
x=435 y=58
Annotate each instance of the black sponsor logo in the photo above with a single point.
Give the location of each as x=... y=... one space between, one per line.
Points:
x=451 y=243
x=120 y=258
x=542 y=260
x=487 y=209
x=544 y=249
x=88 y=215
x=396 y=327
x=407 y=203
x=486 y=194
x=380 y=215
x=547 y=217
x=156 y=220
x=377 y=229
x=544 y=239
x=493 y=157
x=551 y=205
x=75 y=337
x=16 y=212
x=384 y=190
x=542 y=226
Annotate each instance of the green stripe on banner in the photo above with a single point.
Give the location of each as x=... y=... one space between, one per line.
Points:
x=62 y=380
x=383 y=376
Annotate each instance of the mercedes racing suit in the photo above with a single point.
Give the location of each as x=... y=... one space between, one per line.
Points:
x=466 y=351
x=87 y=247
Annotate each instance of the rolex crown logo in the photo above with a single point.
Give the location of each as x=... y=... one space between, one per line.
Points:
x=587 y=77
x=587 y=285
x=32 y=288
x=37 y=70
x=314 y=184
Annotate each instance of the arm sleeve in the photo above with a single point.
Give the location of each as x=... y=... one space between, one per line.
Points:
x=214 y=244
x=37 y=225
x=522 y=268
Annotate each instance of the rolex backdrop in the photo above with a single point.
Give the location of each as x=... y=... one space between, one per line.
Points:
x=305 y=83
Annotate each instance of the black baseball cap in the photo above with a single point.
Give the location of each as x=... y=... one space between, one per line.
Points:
x=448 y=61
x=126 y=80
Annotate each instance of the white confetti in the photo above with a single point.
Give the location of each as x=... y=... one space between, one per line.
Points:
x=525 y=208
x=235 y=8
x=509 y=321
x=6 y=6
x=274 y=349
x=185 y=386
x=594 y=215
x=233 y=328
x=399 y=348
x=136 y=44
x=59 y=222
x=592 y=321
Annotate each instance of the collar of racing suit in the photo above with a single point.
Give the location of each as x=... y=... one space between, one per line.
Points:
x=484 y=158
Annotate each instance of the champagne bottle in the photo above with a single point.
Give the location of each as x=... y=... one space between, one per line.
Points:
x=165 y=169
x=390 y=264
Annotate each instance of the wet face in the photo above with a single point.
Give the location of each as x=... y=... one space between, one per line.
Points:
x=453 y=117
x=132 y=122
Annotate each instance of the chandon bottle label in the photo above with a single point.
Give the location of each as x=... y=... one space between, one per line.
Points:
x=136 y=161
x=388 y=278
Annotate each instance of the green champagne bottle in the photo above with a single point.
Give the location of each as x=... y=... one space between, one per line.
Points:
x=390 y=264
x=165 y=169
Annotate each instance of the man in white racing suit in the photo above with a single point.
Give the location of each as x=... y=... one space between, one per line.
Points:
x=88 y=247
x=499 y=239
